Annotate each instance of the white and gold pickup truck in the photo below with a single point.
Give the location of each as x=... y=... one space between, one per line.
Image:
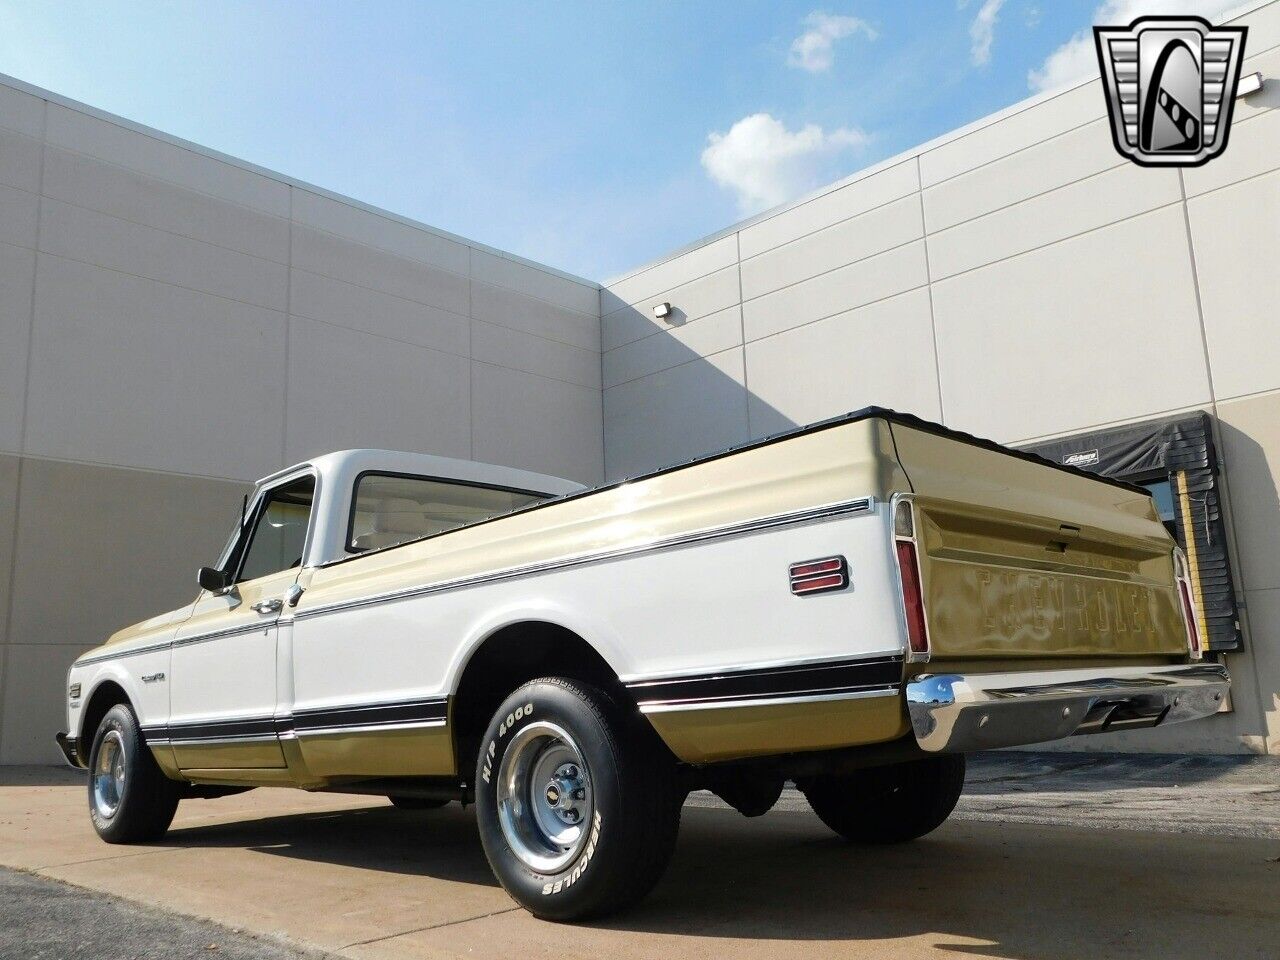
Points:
x=851 y=606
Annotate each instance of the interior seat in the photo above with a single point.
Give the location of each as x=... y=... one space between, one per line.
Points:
x=396 y=521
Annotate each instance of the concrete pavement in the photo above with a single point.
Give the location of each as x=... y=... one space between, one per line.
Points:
x=355 y=877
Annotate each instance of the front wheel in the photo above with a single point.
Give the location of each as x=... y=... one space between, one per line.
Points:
x=576 y=803
x=888 y=804
x=130 y=798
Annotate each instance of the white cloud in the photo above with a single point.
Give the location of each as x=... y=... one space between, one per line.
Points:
x=766 y=164
x=983 y=31
x=1077 y=59
x=814 y=50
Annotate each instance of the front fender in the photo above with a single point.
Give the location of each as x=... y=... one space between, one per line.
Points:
x=91 y=680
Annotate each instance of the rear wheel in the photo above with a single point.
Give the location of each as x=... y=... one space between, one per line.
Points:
x=130 y=798
x=888 y=804
x=415 y=803
x=577 y=804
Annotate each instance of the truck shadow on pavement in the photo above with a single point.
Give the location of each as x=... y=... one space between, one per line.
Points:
x=978 y=889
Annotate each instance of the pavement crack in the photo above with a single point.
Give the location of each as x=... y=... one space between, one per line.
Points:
x=118 y=856
x=430 y=926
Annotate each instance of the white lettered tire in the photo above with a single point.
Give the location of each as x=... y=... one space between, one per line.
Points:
x=130 y=798
x=576 y=801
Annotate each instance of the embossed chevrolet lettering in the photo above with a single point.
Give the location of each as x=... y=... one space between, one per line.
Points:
x=575 y=661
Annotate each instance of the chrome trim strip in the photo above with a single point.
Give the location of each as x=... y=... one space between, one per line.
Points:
x=842 y=508
x=197 y=741
x=130 y=652
x=767 y=701
x=764 y=665
x=370 y=728
x=260 y=626
x=169 y=644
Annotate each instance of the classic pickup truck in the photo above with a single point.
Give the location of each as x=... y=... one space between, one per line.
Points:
x=851 y=607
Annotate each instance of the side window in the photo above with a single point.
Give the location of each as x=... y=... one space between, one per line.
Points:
x=388 y=509
x=280 y=531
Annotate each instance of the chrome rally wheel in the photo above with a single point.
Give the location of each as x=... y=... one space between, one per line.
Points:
x=544 y=797
x=109 y=775
x=577 y=801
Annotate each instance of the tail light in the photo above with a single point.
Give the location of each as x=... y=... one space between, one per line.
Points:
x=1194 y=647
x=909 y=576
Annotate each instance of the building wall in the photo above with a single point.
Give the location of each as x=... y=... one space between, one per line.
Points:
x=1017 y=279
x=175 y=324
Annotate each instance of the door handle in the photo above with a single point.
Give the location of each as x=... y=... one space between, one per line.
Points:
x=269 y=606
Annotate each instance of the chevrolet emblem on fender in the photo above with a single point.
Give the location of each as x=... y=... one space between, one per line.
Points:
x=1170 y=84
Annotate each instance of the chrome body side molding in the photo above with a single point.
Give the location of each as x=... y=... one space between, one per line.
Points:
x=954 y=713
x=863 y=505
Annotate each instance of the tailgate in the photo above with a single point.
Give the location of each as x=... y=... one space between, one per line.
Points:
x=1023 y=560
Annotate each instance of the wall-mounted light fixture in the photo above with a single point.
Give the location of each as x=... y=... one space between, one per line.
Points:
x=1249 y=83
x=662 y=310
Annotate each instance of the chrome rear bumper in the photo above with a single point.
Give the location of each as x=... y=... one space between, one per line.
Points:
x=953 y=713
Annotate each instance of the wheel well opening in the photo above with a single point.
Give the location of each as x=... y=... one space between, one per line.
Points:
x=104 y=697
x=514 y=655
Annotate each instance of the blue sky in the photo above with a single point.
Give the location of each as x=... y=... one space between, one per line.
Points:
x=590 y=136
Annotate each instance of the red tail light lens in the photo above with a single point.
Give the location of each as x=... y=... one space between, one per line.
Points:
x=1188 y=611
x=912 y=598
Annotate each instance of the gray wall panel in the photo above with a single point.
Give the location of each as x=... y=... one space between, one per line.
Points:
x=863 y=193
x=8 y=521
x=99 y=548
x=34 y=684
x=866 y=281
x=1236 y=232
x=17 y=281
x=106 y=139
x=129 y=195
x=694 y=408
x=683 y=343
x=540 y=424
x=511 y=308
x=325 y=254
x=516 y=350
x=371 y=229
x=21 y=112
x=892 y=225
x=75 y=233
x=134 y=372
x=877 y=355
x=18 y=216
x=1027 y=348
x=689 y=302
x=350 y=389
x=19 y=160
x=367 y=310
